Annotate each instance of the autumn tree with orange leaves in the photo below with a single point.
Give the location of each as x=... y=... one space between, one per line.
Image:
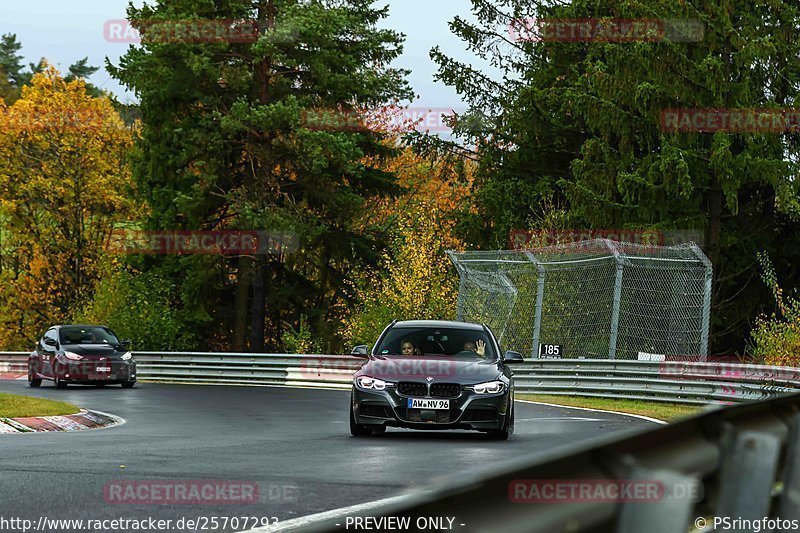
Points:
x=417 y=280
x=64 y=184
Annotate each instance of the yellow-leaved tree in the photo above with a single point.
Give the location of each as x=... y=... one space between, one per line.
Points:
x=417 y=280
x=64 y=184
x=776 y=339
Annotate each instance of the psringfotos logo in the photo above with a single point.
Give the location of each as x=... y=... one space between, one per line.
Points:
x=181 y=492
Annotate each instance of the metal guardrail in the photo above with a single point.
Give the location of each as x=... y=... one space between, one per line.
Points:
x=679 y=382
x=13 y=363
x=737 y=463
x=669 y=381
x=328 y=371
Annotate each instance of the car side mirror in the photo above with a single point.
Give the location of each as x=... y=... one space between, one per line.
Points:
x=360 y=350
x=51 y=342
x=126 y=343
x=513 y=357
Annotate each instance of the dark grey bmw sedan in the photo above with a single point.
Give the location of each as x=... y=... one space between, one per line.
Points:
x=434 y=375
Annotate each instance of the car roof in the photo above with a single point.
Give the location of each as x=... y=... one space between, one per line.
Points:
x=438 y=324
x=77 y=326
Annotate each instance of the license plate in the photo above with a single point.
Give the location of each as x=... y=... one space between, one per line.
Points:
x=421 y=403
x=103 y=369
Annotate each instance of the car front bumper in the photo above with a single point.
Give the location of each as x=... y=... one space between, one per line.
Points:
x=87 y=372
x=482 y=412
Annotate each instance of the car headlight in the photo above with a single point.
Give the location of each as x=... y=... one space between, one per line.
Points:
x=490 y=387
x=127 y=356
x=73 y=356
x=368 y=383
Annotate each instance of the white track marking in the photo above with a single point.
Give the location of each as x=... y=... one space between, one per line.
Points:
x=656 y=420
x=304 y=521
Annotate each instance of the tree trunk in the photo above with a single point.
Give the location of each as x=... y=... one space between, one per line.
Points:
x=240 y=306
x=258 y=316
x=714 y=243
x=266 y=19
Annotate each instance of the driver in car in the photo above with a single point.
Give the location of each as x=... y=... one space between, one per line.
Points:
x=407 y=348
x=478 y=347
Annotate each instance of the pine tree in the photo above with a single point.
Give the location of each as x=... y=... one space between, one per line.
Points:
x=577 y=133
x=11 y=60
x=226 y=143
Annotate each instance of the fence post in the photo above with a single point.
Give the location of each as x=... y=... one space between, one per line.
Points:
x=459 y=300
x=537 y=318
x=612 y=342
x=707 y=286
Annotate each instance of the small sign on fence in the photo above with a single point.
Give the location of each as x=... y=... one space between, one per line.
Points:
x=550 y=351
x=644 y=356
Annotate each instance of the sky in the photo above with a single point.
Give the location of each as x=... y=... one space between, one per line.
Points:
x=65 y=32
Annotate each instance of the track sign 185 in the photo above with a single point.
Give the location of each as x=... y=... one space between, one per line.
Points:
x=551 y=351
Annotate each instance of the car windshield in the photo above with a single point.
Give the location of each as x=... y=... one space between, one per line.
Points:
x=451 y=342
x=87 y=335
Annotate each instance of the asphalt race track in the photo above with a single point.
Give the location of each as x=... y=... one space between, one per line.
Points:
x=294 y=443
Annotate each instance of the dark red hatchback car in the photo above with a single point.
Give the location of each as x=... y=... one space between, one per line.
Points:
x=83 y=354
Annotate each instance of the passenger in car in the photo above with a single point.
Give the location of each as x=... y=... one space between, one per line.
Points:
x=479 y=347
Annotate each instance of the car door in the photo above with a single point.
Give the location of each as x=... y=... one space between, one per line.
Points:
x=47 y=353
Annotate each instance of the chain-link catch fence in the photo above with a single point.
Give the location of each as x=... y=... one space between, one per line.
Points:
x=591 y=299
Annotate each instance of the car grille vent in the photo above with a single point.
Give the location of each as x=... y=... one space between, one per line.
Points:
x=479 y=415
x=378 y=411
x=445 y=390
x=411 y=388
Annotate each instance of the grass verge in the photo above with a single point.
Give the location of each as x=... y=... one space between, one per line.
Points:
x=659 y=410
x=12 y=406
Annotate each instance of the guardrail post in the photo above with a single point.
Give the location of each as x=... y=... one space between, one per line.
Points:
x=671 y=512
x=789 y=506
x=748 y=474
x=537 y=318
x=612 y=342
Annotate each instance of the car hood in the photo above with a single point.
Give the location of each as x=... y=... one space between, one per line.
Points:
x=441 y=369
x=93 y=350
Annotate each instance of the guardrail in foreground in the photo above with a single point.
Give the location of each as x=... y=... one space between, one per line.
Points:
x=670 y=381
x=736 y=463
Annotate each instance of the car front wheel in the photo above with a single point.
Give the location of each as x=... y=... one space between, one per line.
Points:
x=358 y=430
x=508 y=427
x=33 y=381
x=57 y=381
